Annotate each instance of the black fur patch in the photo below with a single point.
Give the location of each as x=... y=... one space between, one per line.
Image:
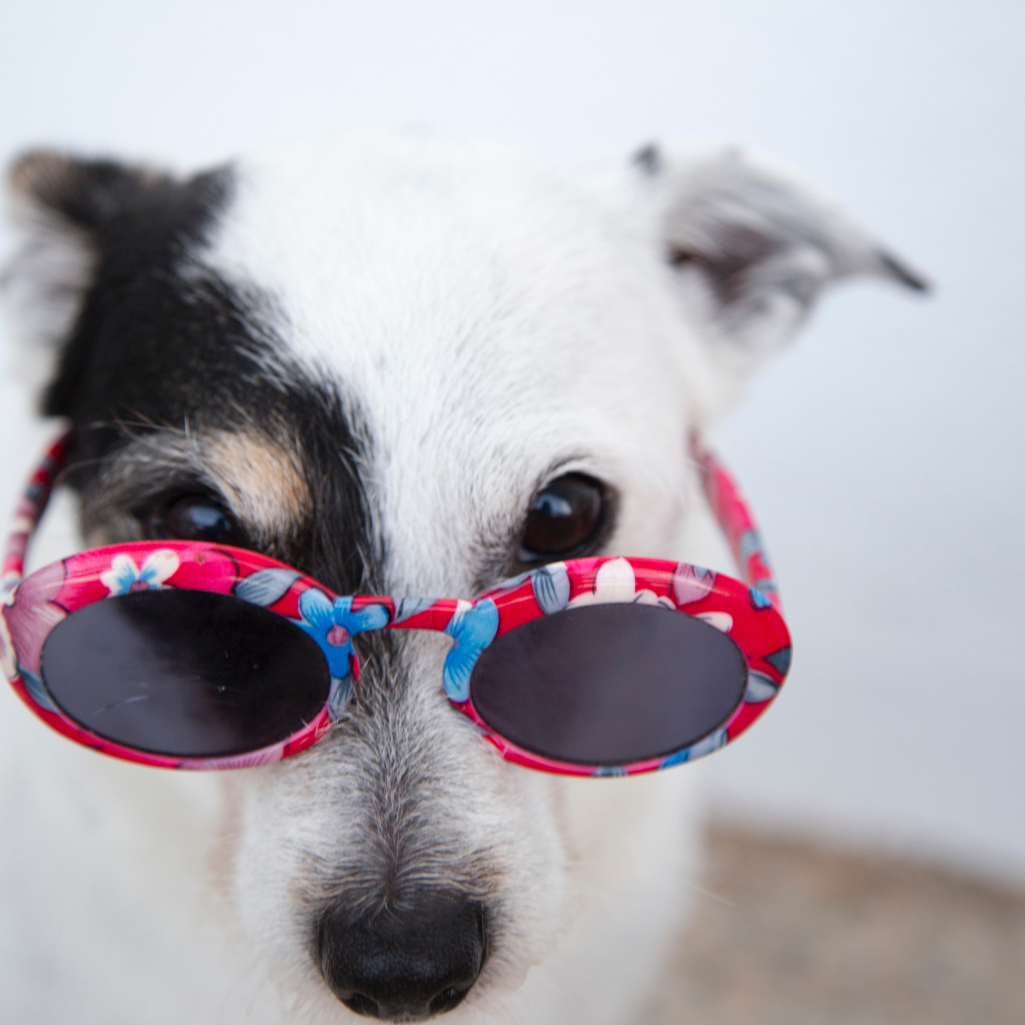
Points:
x=161 y=342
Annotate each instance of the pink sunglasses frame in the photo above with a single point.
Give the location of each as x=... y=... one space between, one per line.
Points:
x=750 y=613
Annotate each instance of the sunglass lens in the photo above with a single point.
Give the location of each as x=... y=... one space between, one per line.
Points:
x=185 y=673
x=609 y=684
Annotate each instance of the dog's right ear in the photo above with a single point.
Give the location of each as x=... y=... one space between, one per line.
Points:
x=749 y=248
x=59 y=206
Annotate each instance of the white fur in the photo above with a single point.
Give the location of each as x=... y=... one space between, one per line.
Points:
x=43 y=288
x=494 y=320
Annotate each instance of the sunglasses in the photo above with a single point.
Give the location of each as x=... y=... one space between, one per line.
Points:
x=191 y=655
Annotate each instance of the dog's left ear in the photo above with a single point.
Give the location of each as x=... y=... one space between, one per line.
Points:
x=57 y=205
x=77 y=220
x=750 y=247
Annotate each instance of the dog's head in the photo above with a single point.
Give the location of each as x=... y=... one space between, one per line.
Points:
x=377 y=364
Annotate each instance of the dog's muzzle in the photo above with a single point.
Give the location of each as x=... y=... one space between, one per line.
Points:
x=408 y=964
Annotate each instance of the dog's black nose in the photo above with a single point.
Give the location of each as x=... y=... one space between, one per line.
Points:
x=404 y=965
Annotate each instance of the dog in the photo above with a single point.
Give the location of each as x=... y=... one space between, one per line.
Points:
x=371 y=361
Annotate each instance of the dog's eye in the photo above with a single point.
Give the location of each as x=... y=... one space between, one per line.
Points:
x=194 y=518
x=566 y=519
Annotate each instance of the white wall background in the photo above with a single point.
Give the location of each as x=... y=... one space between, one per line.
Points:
x=884 y=453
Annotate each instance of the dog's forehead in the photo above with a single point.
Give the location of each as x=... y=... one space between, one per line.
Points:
x=394 y=255
x=450 y=287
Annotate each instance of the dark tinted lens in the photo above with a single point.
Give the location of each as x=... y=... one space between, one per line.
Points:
x=609 y=684
x=185 y=673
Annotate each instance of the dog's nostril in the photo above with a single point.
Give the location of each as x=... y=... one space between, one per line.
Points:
x=362 y=1005
x=404 y=965
x=446 y=1001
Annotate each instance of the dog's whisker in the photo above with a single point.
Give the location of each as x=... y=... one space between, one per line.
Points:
x=691 y=885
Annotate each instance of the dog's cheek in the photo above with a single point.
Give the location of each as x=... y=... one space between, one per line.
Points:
x=283 y=835
x=533 y=905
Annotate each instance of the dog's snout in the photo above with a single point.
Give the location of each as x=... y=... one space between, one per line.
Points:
x=407 y=964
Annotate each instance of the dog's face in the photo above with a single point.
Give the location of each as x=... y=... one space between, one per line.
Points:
x=406 y=367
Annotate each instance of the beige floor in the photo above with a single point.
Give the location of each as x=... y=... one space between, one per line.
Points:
x=807 y=936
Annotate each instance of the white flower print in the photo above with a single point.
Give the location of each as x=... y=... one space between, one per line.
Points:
x=615 y=582
x=722 y=621
x=124 y=576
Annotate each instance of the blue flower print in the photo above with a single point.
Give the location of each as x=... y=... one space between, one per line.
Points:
x=780 y=660
x=751 y=544
x=339 y=696
x=407 y=608
x=472 y=630
x=8 y=583
x=511 y=583
x=333 y=625
x=760 y=688
x=715 y=740
x=551 y=587
x=39 y=694
x=266 y=586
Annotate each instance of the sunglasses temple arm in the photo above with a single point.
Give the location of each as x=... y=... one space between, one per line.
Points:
x=28 y=513
x=737 y=522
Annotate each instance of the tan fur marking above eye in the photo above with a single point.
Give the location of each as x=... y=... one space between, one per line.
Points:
x=261 y=480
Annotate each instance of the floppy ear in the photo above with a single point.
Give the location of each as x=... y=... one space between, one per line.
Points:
x=751 y=247
x=59 y=207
